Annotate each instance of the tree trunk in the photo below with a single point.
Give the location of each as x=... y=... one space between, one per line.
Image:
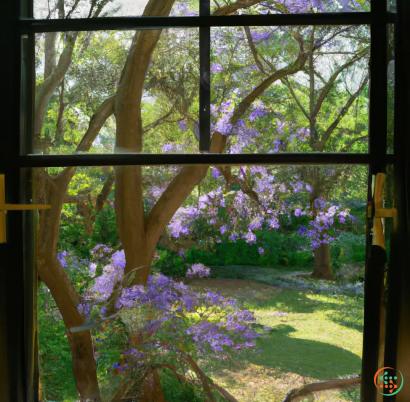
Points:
x=52 y=190
x=152 y=389
x=84 y=367
x=322 y=267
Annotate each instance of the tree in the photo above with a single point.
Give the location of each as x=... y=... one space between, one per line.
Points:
x=92 y=112
x=313 y=100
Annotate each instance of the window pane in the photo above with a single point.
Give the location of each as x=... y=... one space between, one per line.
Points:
x=260 y=230
x=291 y=89
x=117 y=91
x=114 y=8
x=390 y=89
x=391 y=6
x=233 y=7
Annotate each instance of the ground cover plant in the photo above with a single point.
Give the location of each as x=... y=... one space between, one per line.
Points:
x=112 y=230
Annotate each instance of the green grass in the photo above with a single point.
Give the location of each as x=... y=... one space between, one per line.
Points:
x=313 y=342
x=319 y=338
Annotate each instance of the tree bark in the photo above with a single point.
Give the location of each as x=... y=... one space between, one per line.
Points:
x=320 y=386
x=61 y=288
x=322 y=269
x=152 y=389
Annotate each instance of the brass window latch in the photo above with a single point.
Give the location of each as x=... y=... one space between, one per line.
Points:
x=11 y=207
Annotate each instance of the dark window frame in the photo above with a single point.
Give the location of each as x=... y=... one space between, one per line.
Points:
x=19 y=294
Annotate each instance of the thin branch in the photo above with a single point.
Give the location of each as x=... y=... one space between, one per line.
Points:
x=277 y=75
x=287 y=83
x=230 y=178
x=328 y=86
x=254 y=51
x=321 y=144
x=350 y=143
x=320 y=44
x=97 y=121
x=156 y=123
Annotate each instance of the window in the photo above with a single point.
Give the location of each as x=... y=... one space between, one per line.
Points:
x=263 y=96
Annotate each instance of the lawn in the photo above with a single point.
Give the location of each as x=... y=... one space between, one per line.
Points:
x=313 y=337
x=308 y=336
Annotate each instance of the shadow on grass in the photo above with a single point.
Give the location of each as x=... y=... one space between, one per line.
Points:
x=304 y=357
x=354 y=321
x=294 y=302
x=349 y=315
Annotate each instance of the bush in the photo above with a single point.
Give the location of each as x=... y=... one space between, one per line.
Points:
x=348 y=248
x=169 y=263
x=278 y=249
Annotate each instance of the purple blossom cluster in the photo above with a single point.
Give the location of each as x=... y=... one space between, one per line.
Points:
x=316 y=6
x=183 y=10
x=319 y=228
x=198 y=271
x=62 y=258
x=173 y=317
x=243 y=218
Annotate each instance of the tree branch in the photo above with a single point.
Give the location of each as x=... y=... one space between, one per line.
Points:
x=96 y=123
x=201 y=375
x=177 y=192
x=328 y=86
x=320 y=386
x=231 y=8
x=350 y=143
x=287 y=83
x=320 y=44
x=230 y=178
x=48 y=86
x=254 y=51
x=321 y=144
x=248 y=100
x=156 y=123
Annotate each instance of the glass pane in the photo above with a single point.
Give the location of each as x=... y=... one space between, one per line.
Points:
x=117 y=91
x=291 y=89
x=233 y=7
x=47 y=9
x=390 y=89
x=251 y=233
x=391 y=6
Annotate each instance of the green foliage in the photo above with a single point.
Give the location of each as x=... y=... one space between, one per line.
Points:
x=279 y=249
x=348 y=248
x=169 y=263
x=55 y=356
x=176 y=392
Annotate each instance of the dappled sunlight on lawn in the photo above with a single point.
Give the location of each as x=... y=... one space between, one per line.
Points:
x=302 y=342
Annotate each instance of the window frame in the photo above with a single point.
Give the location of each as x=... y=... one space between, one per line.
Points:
x=18 y=20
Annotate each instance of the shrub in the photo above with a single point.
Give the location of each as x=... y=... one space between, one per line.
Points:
x=169 y=263
x=348 y=248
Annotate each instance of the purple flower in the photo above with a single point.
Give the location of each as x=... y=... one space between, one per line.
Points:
x=261 y=250
x=216 y=68
x=167 y=148
x=215 y=173
x=198 y=270
x=183 y=125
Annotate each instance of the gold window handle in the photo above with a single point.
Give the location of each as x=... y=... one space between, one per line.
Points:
x=11 y=207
